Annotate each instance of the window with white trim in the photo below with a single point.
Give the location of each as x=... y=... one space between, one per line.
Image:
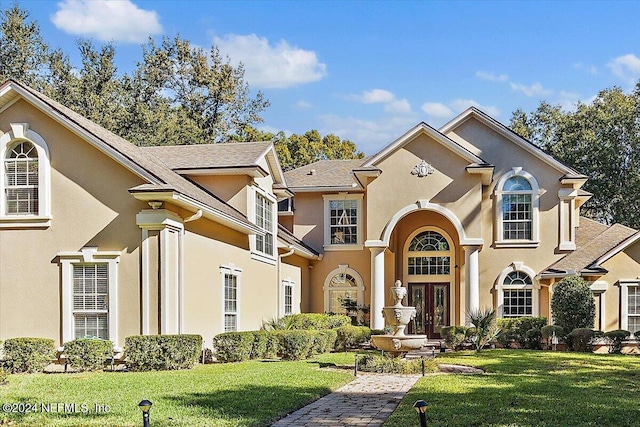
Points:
x=429 y=254
x=517 y=209
x=264 y=220
x=517 y=295
x=633 y=309
x=24 y=179
x=343 y=221
x=288 y=297
x=341 y=285
x=230 y=277
x=91 y=300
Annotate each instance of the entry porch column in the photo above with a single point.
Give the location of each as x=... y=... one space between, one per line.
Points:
x=377 y=287
x=472 y=274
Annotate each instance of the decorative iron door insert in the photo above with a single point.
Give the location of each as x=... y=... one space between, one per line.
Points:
x=431 y=301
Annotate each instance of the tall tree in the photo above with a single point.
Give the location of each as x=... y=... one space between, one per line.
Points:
x=601 y=140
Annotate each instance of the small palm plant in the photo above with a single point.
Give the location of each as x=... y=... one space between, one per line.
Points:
x=485 y=328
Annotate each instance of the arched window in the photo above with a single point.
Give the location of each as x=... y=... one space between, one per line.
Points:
x=517 y=209
x=343 y=286
x=517 y=292
x=21 y=180
x=25 y=182
x=428 y=254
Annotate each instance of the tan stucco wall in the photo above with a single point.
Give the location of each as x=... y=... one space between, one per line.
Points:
x=230 y=188
x=622 y=266
x=90 y=206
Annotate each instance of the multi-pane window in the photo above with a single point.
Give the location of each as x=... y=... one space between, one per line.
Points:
x=343 y=222
x=288 y=298
x=264 y=220
x=517 y=295
x=517 y=209
x=91 y=300
x=429 y=254
x=21 y=180
x=633 y=308
x=343 y=287
x=230 y=302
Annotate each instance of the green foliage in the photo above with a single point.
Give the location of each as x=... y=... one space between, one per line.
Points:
x=233 y=346
x=572 y=304
x=394 y=365
x=636 y=335
x=88 y=354
x=351 y=337
x=325 y=341
x=456 y=337
x=316 y=321
x=296 y=344
x=599 y=139
x=485 y=328
x=525 y=331
x=615 y=340
x=28 y=354
x=581 y=339
x=162 y=352
x=549 y=331
x=358 y=313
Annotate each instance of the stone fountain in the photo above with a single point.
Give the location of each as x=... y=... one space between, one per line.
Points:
x=398 y=316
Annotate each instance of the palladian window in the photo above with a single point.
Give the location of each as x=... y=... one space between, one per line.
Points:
x=429 y=254
x=517 y=291
x=517 y=212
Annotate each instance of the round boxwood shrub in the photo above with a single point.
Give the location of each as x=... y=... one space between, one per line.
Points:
x=88 y=354
x=28 y=354
x=549 y=331
x=615 y=340
x=581 y=339
x=572 y=304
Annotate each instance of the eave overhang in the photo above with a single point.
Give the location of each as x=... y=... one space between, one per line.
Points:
x=253 y=171
x=484 y=170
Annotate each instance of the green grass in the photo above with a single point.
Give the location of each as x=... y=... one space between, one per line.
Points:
x=236 y=394
x=529 y=388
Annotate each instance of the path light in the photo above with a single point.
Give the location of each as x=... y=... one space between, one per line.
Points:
x=145 y=405
x=421 y=408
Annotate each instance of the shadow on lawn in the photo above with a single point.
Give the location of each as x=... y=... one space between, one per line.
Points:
x=250 y=405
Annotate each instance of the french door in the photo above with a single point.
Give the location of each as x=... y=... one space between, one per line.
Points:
x=431 y=301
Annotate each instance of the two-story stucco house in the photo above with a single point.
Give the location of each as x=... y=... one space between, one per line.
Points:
x=99 y=237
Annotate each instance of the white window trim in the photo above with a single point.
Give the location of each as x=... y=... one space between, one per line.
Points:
x=295 y=305
x=21 y=132
x=328 y=246
x=624 y=300
x=500 y=242
x=88 y=255
x=327 y=285
x=535 y=288
x=251 y=210
x=232 y=270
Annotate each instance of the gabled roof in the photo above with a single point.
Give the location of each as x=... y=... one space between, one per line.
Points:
x=487 y=120
x=159 y=177
x=595 y=244
x=336 y=175
x=424 y=129
x=225 y=158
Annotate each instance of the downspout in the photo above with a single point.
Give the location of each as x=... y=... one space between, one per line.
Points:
x=279 y=284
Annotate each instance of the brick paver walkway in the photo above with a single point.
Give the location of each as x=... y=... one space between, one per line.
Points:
x=366 y=401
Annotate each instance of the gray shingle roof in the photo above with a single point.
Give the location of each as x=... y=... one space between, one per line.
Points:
x=162 y=175
x=206 y=156
x=593 y=240
x=324 y=173
x=288 y=237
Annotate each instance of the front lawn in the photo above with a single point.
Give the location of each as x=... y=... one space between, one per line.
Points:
x=529 y=388
x=235 y=394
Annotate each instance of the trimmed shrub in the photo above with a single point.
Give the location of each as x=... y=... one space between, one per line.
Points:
x=581 y=339
x=350 y=337
x=296 y=344
x=572 y=304
x=260 y=342
x=162 y=352
x=273 y=346
x=315 y=321
x=325 y=341
x=615 y=340
x=28 y=354
x=88 y=354
x=549 y=331
x=233 y=346
x=394 y=365
x=456 y=337
x=524 y=331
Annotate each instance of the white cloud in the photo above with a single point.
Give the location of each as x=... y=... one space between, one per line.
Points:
x=392 y=105
x=106 y=20
x=303 y=105
x=271 y=66
x=462 y=104
x=399 y=106
x=377 y=96
x=626 y=67
x=437 y=110
x=483 y=75
x=535 y=89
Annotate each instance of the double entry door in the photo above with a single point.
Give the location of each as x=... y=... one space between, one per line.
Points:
x=431 y=301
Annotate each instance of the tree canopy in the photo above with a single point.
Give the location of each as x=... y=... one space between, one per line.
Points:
x=600 y=139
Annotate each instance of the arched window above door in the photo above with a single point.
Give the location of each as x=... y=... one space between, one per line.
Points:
x=429 y=253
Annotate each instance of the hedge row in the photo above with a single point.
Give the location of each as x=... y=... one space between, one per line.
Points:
x=86 y=354
x=526 y=332
x=162 y=352
x=315 y=321
x=28 y=354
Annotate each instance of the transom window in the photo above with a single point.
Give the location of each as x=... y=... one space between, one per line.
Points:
x=264 y=220
x=633 y=308
x=517 y=209
x=91 y=300
x=21 y=180
x=429 y=254
x=517 y=295
x=343 y=287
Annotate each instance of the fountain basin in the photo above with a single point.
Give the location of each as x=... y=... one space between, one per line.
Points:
x=398 y=344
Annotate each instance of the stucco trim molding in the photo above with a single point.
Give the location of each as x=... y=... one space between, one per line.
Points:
x=424 y=205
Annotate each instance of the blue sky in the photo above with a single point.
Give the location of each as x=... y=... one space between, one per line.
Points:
x=370 y=70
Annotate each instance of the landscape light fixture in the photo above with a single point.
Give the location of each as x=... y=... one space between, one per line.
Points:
x=421 y=408
x=144 y=406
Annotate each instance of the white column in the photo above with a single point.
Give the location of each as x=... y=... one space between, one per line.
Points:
x=377 y=288
x=473 y=277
